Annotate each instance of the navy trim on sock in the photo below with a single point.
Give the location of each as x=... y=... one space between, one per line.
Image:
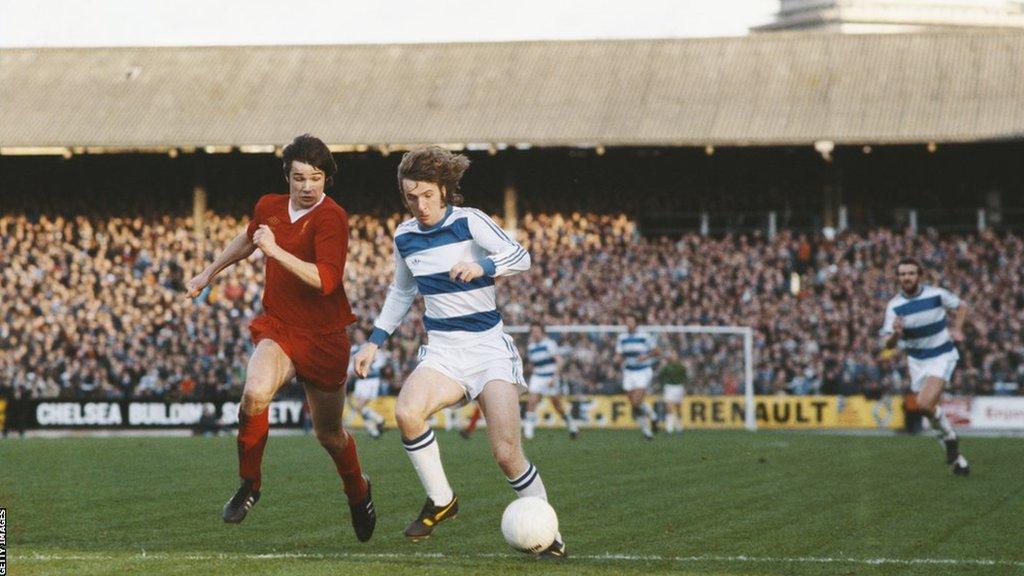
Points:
x=526 y=485
x=522 y=476
x=424 y=440
x=524 y=480
x=418 y=439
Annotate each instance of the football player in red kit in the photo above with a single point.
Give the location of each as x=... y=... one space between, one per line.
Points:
x=302 y=331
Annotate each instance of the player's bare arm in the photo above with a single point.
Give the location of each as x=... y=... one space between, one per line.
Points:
x=364 y=359
x=897 y=333
x=956 y=331
x=239 y=248
x=305 y=271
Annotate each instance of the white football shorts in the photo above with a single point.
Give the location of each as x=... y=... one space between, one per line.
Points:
x=940 y=367
x=474 y=365
x=637 y=379
x=368 y=388
x=545 y=385
x=673 y=393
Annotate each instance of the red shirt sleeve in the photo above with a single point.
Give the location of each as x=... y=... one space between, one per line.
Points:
x=330 y=249
x=257 y=217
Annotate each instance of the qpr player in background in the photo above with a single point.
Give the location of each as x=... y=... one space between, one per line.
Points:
x=637 y=352
x=302 y=331
x=546 y=362
x=452 y=256
x=915 y=320
x=366 y=389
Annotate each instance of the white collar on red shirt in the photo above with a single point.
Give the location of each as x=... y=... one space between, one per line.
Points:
x=296 y=214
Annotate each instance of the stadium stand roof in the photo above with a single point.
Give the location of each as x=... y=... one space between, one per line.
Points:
x=790 y=88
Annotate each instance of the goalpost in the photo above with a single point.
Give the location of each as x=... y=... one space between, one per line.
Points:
x=746 y=332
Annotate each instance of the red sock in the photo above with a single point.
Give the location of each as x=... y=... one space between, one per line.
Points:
x=473 y=420
x=252 y=439
x=347 y=463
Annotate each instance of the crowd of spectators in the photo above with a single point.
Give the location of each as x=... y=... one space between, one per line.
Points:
x=94 y=306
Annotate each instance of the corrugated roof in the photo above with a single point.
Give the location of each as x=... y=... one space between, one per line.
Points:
x=761 y=90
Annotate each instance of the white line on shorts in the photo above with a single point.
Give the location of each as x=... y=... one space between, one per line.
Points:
x=607 y=557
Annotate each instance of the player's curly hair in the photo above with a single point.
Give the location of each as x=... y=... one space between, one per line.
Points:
x=435 y=165
x=310 y=150
x=910 y=261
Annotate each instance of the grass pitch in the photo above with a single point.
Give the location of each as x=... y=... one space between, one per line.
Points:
x=719 y=503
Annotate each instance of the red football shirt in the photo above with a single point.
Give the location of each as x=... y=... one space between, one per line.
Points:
x=320 y=237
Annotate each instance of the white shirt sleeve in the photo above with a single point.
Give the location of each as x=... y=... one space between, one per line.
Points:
x=890 y=317
x=553 y=348
x=400 y=297
x=506 y=256
x=618 y=344
x=949 y=300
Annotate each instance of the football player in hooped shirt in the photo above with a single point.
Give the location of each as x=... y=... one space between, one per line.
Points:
x=302 y=331
x=365 y=390
x=545 y=359
x=916 y=321
x=452 y=256
x=637 y=351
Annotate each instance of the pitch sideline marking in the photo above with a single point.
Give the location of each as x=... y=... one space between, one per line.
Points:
x=595 y=557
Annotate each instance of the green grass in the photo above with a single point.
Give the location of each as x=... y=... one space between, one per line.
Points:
x=720 y=503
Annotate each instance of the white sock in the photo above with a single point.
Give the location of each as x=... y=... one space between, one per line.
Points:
x=369 y=422
x=529 y=484
x=426 y=459
x=941 y=423
x=650 y=412
x=371 y=414
x=670 y=422
x=570 y=422
x=528 y=424
x=645 y=424
x=370 y=427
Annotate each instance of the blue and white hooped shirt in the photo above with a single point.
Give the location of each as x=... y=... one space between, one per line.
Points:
x=925 y=331
x=631 y=346
x=543 y=356
x=456 y=313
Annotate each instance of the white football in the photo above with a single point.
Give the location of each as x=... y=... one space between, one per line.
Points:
x=529 y=524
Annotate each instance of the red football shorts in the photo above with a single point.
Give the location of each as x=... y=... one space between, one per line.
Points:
x=320 y=359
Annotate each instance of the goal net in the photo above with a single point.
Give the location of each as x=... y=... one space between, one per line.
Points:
x=718 y=362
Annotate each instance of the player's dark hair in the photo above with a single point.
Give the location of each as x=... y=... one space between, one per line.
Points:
x=908 y=261
x=435 y=165
x=310 y=150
